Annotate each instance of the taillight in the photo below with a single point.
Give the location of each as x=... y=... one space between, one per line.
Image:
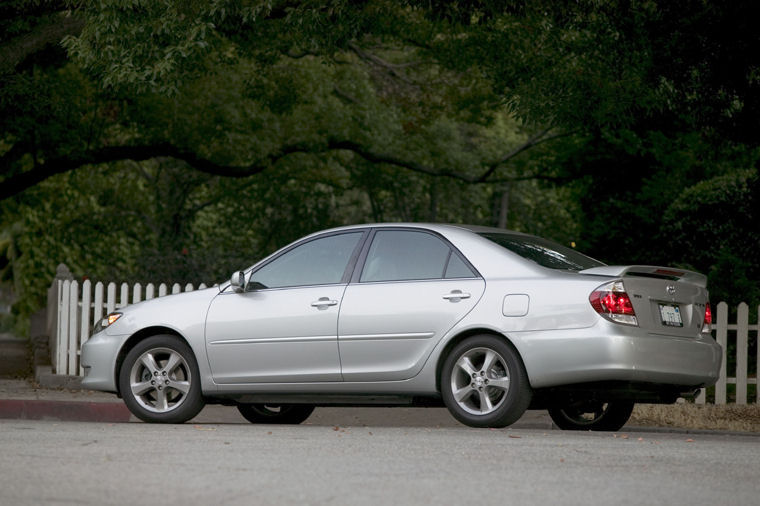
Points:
x=613 y=303
x=707 y=324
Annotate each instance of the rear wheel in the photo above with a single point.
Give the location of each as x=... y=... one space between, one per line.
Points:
x=159 y=380
x=593 y=415
x=484 y=383
x=275 y=413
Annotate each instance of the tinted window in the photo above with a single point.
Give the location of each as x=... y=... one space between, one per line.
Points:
x=397 y=255
x=457 y=268
x=544 y=252
x=319 y=262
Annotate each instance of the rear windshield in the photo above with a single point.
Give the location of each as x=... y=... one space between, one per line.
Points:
x=542 y=251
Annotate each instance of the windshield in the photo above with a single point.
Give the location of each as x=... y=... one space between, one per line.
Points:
x=542 y=251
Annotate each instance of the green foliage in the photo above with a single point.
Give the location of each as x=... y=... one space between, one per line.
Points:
x=641 y=100
x=712 y=227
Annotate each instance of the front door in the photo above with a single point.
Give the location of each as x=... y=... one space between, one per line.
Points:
x=278 y=336
x=284 y=327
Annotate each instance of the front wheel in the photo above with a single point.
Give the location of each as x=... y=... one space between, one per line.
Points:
x=279 y=413
x=601 y=416
x=484 y=383
x=159 y=380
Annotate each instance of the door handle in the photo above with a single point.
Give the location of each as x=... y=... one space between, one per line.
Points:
x=456 y=296
x=323 y=302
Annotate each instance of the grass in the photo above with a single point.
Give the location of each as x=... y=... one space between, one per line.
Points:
x=731 y=417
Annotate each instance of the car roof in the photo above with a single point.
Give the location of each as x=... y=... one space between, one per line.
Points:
x=440 y=227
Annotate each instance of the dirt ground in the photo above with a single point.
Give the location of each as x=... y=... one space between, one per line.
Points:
x=731 y=417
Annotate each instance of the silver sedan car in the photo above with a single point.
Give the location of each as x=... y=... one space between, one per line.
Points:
x=485 y=321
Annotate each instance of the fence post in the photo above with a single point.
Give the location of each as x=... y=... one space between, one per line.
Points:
x=84 y=333
x=136 y=293
x=54 y=310
x=111 y=298
x=742 y=323
x=124 y=299
x=73 y=346
x=63 y=327
x=97 y=306
x=722 y=338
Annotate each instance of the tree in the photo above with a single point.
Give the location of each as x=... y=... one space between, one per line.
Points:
x=263 y=120
x=167 y=47
x=714 y=224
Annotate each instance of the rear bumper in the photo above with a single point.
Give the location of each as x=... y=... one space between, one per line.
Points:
x=611 y=352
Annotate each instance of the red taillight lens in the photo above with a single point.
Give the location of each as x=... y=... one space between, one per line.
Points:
x=613 y=303
x=617 y=303
x=707 y=324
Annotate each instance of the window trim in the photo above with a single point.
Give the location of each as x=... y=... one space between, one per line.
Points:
x=346 y=273
x=362 y=260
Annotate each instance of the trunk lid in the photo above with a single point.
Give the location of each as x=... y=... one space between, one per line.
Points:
x=666 y=300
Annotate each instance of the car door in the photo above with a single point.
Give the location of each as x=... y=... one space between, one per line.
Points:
x=413 y=288
x=283 y=327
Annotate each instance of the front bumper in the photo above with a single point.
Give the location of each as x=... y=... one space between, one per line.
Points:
x=99 y=355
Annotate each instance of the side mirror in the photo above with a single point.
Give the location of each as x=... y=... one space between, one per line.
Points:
x=237 y=282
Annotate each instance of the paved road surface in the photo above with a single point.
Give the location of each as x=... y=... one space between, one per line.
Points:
x=44 y=462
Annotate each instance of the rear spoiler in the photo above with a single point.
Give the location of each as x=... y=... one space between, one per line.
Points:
x=649 y=271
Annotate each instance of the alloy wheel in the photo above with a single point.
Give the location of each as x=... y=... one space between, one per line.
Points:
x=480 y=381
x=160 y=380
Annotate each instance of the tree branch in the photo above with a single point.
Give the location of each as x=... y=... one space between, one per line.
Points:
x=16 y=183
x=16 y=50
x=537 y=139
x=389 y=67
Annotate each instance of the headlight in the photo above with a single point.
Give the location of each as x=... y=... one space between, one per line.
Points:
x=105 y=322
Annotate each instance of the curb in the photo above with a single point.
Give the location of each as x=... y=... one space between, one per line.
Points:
x=43 y=374
x=62 y=409
x=65 y=411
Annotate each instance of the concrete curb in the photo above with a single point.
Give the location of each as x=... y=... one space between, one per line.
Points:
x=43 y=374
x=58 y=400
x=65 y=411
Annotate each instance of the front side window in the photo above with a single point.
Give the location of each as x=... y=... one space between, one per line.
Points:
x=399 y=255
x=320 y=261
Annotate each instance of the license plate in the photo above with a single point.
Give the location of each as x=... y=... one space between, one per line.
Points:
x=670 y=315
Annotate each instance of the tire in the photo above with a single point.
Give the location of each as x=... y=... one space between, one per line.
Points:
x=176 y=396
x=484 y=383
x=275 y=413
x=600 y=416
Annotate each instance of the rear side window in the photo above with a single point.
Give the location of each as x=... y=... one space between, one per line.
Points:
x=402 y=255
x=457 y=268
x=544 y=252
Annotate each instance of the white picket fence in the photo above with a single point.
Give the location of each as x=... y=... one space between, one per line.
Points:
x=72 y=313
x=742 y=332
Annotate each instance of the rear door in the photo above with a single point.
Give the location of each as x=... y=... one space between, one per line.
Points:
x=413 y=288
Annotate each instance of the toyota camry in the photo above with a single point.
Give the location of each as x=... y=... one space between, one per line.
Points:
x=484 y=321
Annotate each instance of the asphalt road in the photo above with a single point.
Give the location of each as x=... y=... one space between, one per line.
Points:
x=43 y=462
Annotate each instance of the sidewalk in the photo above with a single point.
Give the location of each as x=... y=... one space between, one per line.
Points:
x=22 y=399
